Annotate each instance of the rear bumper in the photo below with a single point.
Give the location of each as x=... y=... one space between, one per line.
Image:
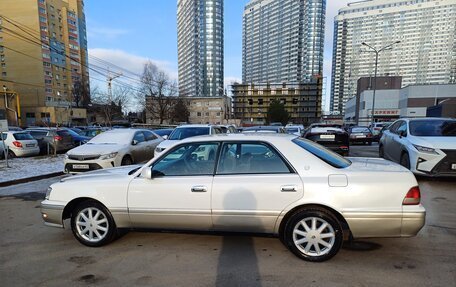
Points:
x=412 y=222
x=52 y=214
x=26 y=152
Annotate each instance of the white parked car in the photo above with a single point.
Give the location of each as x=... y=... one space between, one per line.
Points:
x=186 y=131
x=112 y=148
x=426 y=146
x=20 y=143
x=310 y=197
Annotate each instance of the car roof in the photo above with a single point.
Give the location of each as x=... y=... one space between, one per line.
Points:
x=428 y=119
x=195 y=126
x=241 y=137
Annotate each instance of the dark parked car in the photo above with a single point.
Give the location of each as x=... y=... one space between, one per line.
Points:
x=264 y=129
x=331 y=136
x=77 y=138
x=57 y=139
x=361 y=135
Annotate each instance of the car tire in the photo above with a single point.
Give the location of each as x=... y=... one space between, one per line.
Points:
x=405 y=160
x=126 y=160
x=303 y=237
x=92 y=224
x=381 y=152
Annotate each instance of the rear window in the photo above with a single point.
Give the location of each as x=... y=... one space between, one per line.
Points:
x=433 y=128
x=22 y=136
x=322 y=153
x=360 y=130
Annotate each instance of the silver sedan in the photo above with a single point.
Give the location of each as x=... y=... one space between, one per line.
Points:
x=310 y=197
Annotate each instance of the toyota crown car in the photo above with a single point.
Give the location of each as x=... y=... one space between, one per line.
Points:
x=426 y=146
x=310 y=197
x=112 y=148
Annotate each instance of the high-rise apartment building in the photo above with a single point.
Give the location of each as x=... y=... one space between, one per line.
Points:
x=425 y=55
x=43 y=55
x=283 y=40
x=200 y=47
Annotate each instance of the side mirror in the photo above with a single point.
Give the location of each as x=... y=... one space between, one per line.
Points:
x=147 y=172
x=165 y=137
x=134 y=142
x=403 y=134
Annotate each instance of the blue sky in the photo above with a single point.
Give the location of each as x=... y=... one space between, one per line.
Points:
x=128 y=33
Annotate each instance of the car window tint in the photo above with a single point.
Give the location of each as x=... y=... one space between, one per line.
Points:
x=22 y=136
x=38 y=134
x=250 y=158
x=4 y=136
x=323 y=153
x=394 y=126
x=402 y=127
x=149 y=136
x=63 y=133
x=139 y=137
x=189 y=159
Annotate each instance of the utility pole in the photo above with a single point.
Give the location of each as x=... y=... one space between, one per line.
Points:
x=387 y=47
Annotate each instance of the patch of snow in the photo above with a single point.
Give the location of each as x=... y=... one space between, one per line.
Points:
x=30 y=166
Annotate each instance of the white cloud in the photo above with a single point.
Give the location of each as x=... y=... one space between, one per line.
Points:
x=130 y=62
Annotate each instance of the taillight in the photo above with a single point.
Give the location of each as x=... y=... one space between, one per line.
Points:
x=412 y=197
x=58 y=138
x=17 y=144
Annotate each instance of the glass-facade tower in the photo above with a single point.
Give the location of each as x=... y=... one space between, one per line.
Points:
x=200 y=47
x=283 y=40
x=425 y=55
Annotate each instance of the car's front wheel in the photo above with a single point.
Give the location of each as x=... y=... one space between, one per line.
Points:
x=92 y=224
x=313 y=235
x=405 y=160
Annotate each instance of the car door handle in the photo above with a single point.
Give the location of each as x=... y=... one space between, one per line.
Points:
x=199 y=188
x=288 y=188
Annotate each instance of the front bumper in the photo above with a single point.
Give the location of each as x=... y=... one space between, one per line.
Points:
x=434 y=165
x=52 y=213
x=76 y=166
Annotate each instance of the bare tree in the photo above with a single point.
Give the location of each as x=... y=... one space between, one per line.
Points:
x=114 y=105
x=158 y=92
x=81 y=93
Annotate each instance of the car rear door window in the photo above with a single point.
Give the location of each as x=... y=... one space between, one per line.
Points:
x=149 y=136
x=187 y=160
x=250 y=158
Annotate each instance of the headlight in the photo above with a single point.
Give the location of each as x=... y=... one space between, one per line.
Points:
x=48 y=193
x=65 y=156
x=425 y=149
x=159 y=149
x=108 y=156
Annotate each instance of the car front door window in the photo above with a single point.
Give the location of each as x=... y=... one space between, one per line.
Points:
x=187 y=160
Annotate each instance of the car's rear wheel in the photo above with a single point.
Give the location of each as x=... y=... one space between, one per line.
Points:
x=405 y=160
x=92 y=224
x=313 y=235
x=126 y=160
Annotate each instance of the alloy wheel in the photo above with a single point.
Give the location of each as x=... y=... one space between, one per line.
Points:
x=92 y=224
x=314 y=236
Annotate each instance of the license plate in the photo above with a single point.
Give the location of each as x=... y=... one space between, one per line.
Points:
x=29 y=145
x=453 y=166
x=80 y=166
x=327 y=137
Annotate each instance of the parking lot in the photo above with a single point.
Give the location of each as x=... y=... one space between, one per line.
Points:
x=32 y=254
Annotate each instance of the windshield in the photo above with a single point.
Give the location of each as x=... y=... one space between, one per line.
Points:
x=164 y=132
x=433 y=128
x=112 y=138
x=322 y=153
x=292 y=130
x=73 y=133
x=183 y=133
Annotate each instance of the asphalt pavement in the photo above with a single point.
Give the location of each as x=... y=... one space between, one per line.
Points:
x=32 y=254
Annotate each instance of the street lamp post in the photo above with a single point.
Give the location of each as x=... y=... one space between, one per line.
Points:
x=377 y=52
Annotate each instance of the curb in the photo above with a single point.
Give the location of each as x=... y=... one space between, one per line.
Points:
x=29 y=179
